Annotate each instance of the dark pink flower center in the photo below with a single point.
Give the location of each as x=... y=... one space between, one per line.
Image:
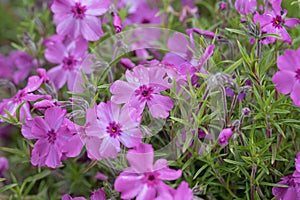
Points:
x=78 y=11
x=151 y=178
x=277 y=21
x=69 y=63
x=114 y=129
x=19 y=97
x=298 y=74
x=144 y=93
x=146 y=21
x=51 y=136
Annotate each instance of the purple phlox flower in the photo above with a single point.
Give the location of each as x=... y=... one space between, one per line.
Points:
x=116 y=126
x=13 y=103
x=117 y=22
x=23 y=63
x=100 y=176
x=143 y=87
x=4 y=165
x=69 y=58
x=224 y=136
x=79 y=18
x=245 y=7
x=287 y=79
x=273 y=21
x=68 y=197
x=142 y=40
x=144 y=14
x=106 y=128
x=180 y=60
x=52 y=133
x=98 y=195
x=142 y=179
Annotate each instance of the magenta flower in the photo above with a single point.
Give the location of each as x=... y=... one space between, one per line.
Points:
x=245 y=7
x=115 y=127
x=23 y=63
x=13 y=103
x=69 y=57
x=78 y=17
x=144 y=14
x=287 y=79
x=117 y=22
x=4 y=165
x=143 y=87
x=55 y=135
x=142 y=179
x=106 y=128
x=274 y=22
x=224 y=136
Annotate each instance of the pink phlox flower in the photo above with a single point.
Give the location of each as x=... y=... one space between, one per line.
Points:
x=21 y=96
x=79 y=18
x=273 y=22
x=143 y=87
x=142 y=179
x=24 y=63
x=287 y=79
x=69 y=57
x=111 y=126
x=52 y=133
x=116 y=126
x=144 y=14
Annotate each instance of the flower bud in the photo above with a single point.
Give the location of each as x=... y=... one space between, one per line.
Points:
x=224 y=136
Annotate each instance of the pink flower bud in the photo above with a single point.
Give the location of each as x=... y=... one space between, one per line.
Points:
x=224 y=136
x=117 y=22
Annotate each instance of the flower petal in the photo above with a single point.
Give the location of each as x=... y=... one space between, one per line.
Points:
x=91 y=28
x=284 y=81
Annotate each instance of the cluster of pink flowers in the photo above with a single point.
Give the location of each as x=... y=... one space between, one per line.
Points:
x=116 y=122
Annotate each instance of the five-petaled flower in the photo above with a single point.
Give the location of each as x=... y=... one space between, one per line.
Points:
x=287 y=79
x=79 y=17
x=143 y=87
